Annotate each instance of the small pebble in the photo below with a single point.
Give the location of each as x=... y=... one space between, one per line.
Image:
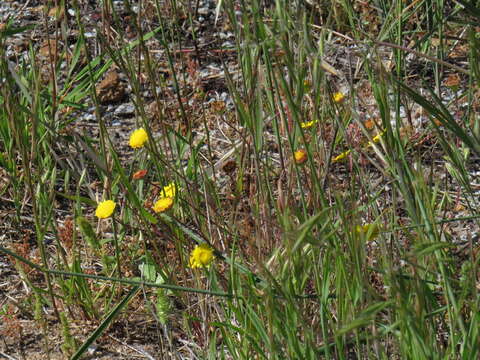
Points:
x=125 y=110
x=203 y=11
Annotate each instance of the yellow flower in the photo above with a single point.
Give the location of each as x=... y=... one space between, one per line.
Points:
x=338 y=97
x=307 y=84
x=163 y=204
x=105 y=209
x=201 y=256
x=371 y=231
x=169 y=191
x=308 y=124
x=300 y=156
x=138 y=138
x=342 y=156
x=376 y=138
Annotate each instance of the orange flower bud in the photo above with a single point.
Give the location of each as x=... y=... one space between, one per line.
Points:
x=140 y=174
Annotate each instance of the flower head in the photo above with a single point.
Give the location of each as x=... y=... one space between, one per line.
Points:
x=338 y=97
x=138 y=138
x=369 y=124
x=300 y=156
x=308 y=124
x=376 y=138
x=163 y=204
x=201 y=256
x=105 y=209
x=169 y=191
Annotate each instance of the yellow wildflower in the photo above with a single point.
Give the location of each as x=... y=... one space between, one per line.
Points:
x=376 y=138
x=300 y=156
x=138 y=138
x=338 y=97
x=201 y=256
x=169 y=191
x=370 y=231
x=105 y=209
x=163 y=204
x=341 y=156
x=307 y=84
x=308 y=124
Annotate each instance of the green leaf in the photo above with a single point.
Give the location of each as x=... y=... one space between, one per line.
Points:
x=87 y=231
x=10 y=30
x=365 y=317
x=148 y=271
x=470 y=8
x=306 y=227
x=427 y=248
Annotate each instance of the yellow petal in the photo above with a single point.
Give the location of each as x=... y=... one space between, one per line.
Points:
x=163 y=204
x=341 y=156
x=201 y=256
x=105 y=209
x=138 y=138
x=300 y=156
x=169 y=191
x=338 y=97
x=308 y=124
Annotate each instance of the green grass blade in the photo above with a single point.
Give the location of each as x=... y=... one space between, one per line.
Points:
x=105 y=323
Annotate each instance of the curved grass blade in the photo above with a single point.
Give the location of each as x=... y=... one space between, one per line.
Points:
x=105 y=323
x=128 y=281
x=440 y=113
